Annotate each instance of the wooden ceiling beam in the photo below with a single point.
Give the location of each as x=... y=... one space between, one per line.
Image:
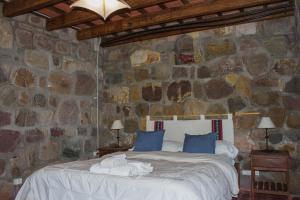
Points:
x=78 y=16
x=19 y=7
x=110 y=43
x=205 y=24
x=169 y=15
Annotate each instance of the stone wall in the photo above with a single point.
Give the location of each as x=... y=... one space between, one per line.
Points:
x=47 y=85
x=297 y=18
x=247 y=68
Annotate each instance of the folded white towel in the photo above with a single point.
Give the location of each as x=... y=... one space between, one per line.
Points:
x=114 y=161
x=133 y=168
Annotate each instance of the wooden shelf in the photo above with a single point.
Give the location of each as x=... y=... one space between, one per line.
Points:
x=266 y=186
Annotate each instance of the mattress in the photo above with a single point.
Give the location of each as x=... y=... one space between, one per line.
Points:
x=176 y=176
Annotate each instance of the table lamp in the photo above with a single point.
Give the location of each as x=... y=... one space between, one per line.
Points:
x=117 y=125
x=266 y=123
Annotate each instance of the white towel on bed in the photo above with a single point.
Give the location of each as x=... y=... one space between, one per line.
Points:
x=132 y=168
x=114 y=161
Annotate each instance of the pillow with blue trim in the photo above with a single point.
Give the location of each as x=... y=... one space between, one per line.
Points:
x=200 y=143
x=149 y=140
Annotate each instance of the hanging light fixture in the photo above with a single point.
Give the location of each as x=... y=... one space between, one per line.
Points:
x=102 y=7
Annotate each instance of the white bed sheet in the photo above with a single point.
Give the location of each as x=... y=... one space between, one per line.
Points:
x=176 y=176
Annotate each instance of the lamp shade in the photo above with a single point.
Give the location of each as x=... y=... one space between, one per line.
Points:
x=117 y=125
x=266 y=122
x=102 y=7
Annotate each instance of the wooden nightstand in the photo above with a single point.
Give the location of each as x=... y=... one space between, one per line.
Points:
x=273 y=161
x=107 y=150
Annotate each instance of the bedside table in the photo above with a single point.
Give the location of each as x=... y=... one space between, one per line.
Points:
x=107 y=150
x=273 y=161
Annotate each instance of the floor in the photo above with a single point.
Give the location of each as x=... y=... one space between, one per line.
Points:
x=246 y=196
x=245 y=192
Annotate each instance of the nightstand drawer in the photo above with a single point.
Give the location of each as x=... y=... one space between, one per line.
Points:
x=277 y=163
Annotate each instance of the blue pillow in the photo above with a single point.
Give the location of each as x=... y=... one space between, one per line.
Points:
x=149 y=141
x=200 y=143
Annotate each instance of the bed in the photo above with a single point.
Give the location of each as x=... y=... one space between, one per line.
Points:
x=176 y=176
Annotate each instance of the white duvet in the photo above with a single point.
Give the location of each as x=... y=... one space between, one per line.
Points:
x=176 y=176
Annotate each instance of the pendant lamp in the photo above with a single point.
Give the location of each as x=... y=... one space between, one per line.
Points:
x=102 y=7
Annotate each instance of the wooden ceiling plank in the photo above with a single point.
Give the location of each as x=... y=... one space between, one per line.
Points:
x=173 y=14
x=136 y=4
x=185 y=1
x=162 y=6
x=78 y=16
x=153 y=35
x=19 y=7
x=70 y=19
x=142 y=11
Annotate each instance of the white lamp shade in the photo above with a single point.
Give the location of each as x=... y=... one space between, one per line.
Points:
x=102 y=7
x=117 y=125
x=266 y=122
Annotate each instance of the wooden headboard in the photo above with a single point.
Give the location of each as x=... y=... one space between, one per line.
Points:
x=176 y=126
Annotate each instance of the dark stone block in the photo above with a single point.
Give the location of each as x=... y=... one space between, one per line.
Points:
x=275 y=138
x=70 y=153
x=130 y=126
x=24 y=38
x=217 y=89
x=114 y=78
x=26 y=118
x=82 y=131
x=8 y=140
x=293 y=135
x=247 y=121
x=126 y=110
x=215 y=48
x=152 y=93
x=293 y=120
x=39 y=100
x=184 y=50
x=34 y=135
x=173 y=109
x=57 y=132
x=235 y=104
x=8 y=96
x=85 y=85
x=68 y=113
x=291 y=103
x=24 y=78
x=2 y=166
x=265 y=98
x=293 y=86
x=216 y=109
x=5 y=118
x=43 y=42
x=180 y=72
x=277 y=115
x=203 y=72
x=90 y=146
x=179 y=91
x=142 y=109
x=3 y=77
x=160 y=71
x=198 y=90
x=141 y=74
x=257 y=63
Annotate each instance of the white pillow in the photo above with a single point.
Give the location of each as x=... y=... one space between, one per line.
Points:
x=226 y=148
x=172 y=146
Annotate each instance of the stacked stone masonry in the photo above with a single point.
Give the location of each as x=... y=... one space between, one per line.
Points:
x=47 y=104
x=48 y=84
x=246 y=68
